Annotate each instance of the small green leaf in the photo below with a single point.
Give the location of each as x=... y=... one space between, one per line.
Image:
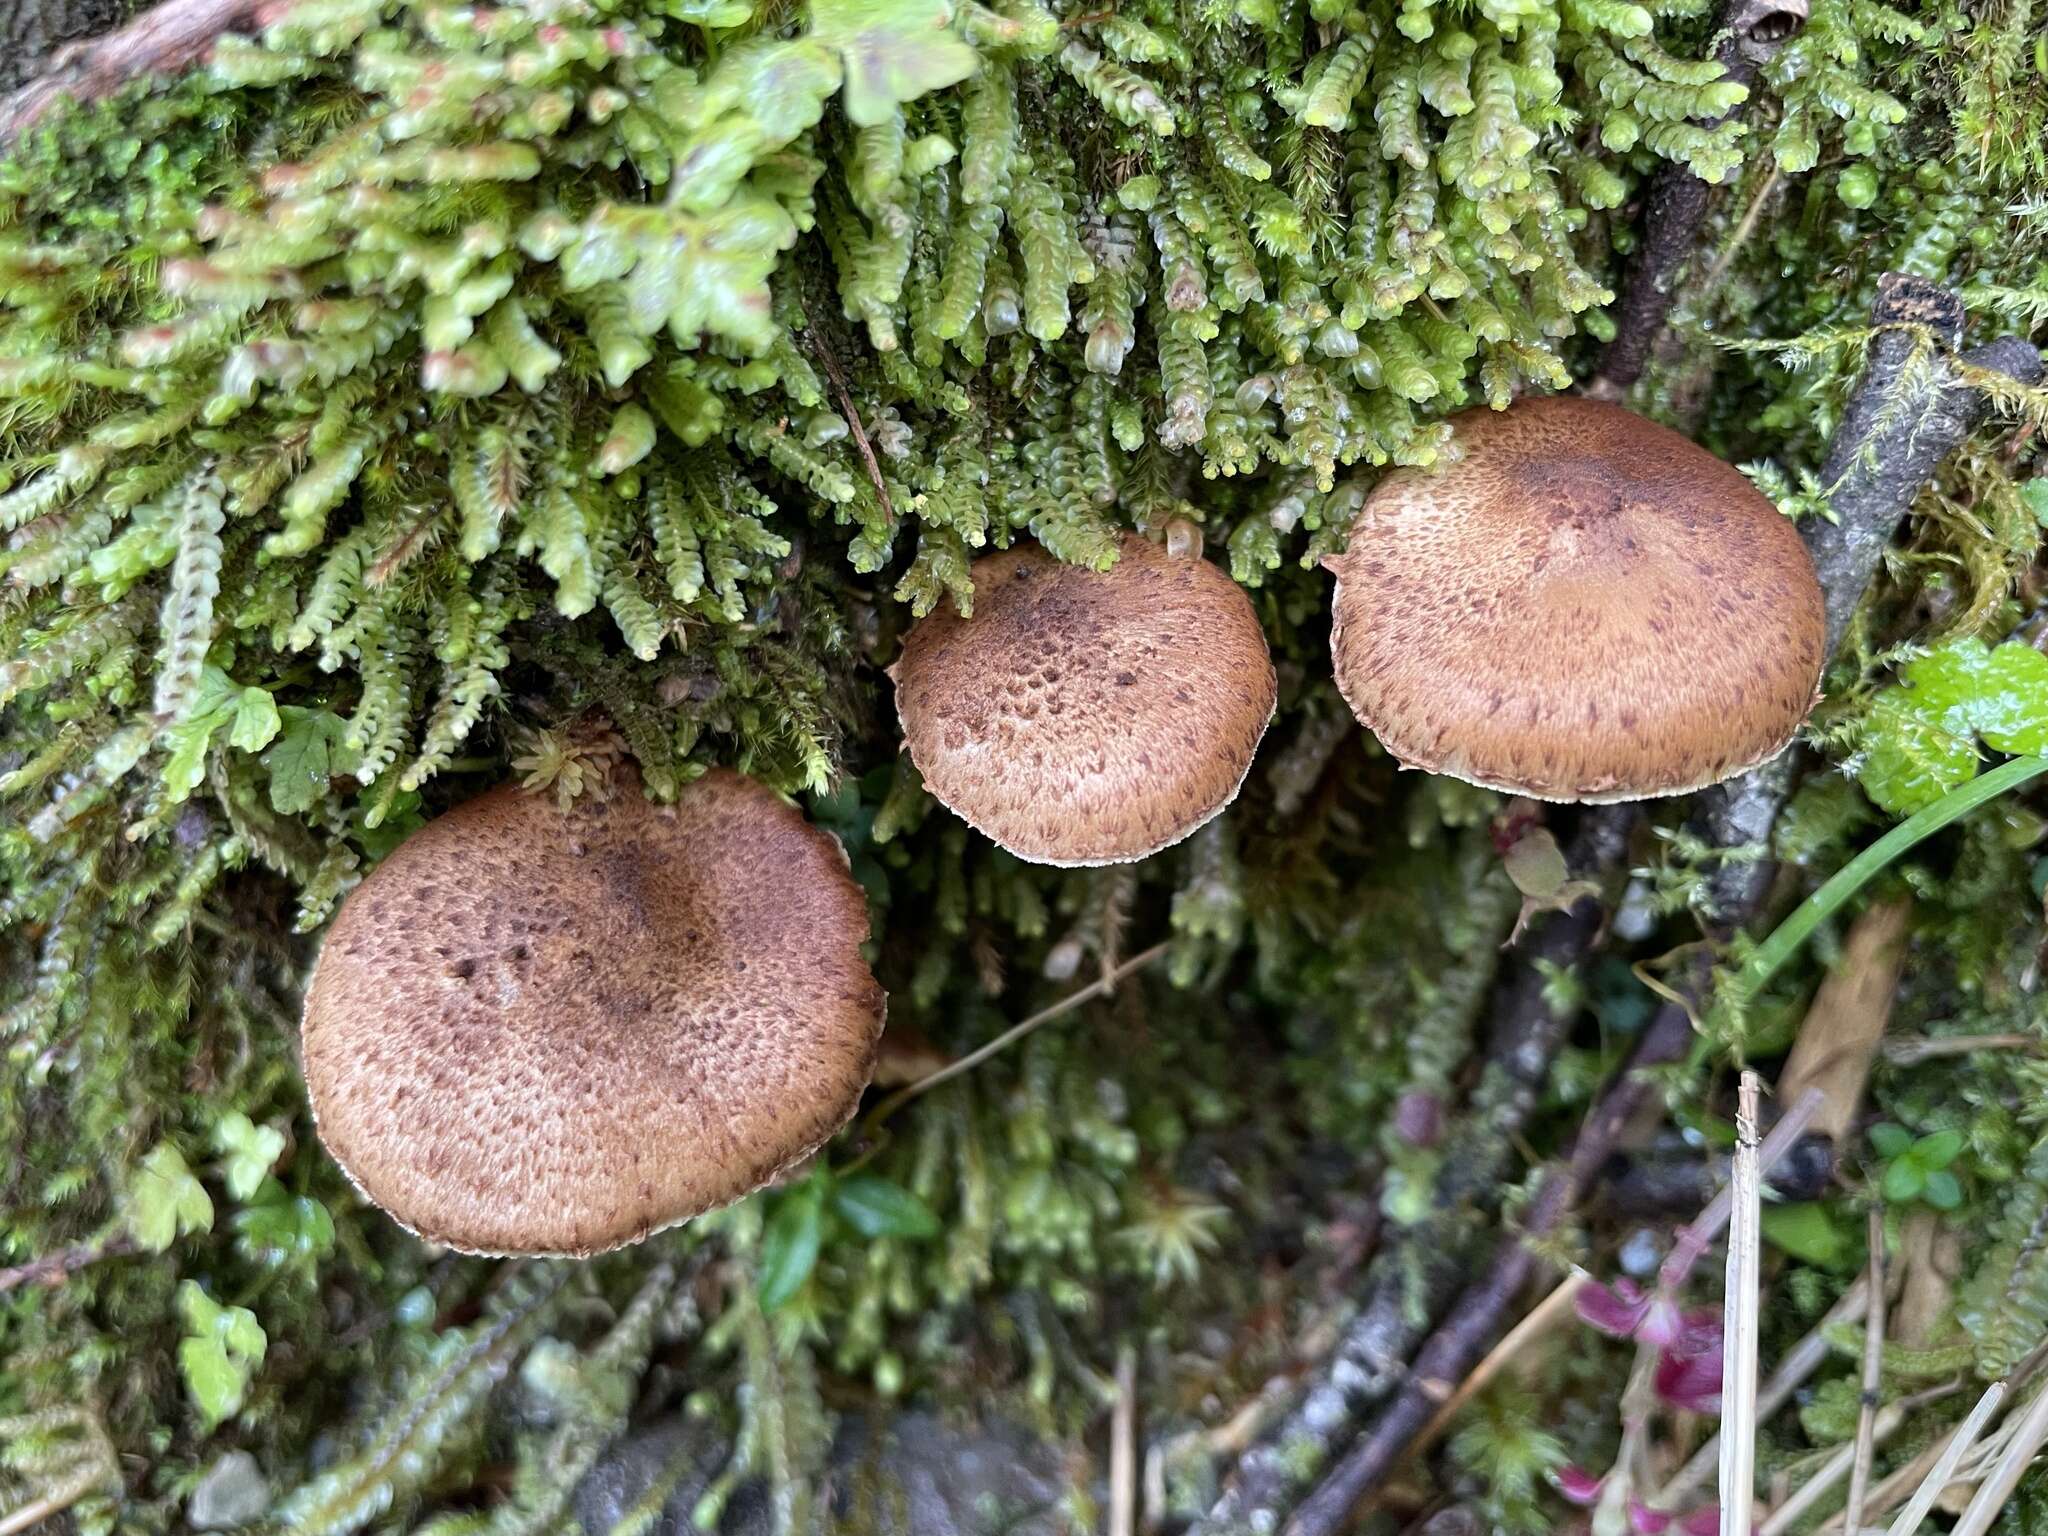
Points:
x=1911 y=758
x=1890 y=1140
x=221 y=1351
x=187 y=740
x=1944 y=1192
x=304 y=759
x=186 y=765
x=211 y=1379
x=1903 y=1181
x=789 y=1246
x=202 y=1314
x=875 y=1207
x=256 y=720
x=1921 y=734
x=164 y=1199
x=251 y=1151
x=1937 y=1150
x=1808 y=1231
x=895 y=51
x=278 y=1230
x=783 y=86
x=2035 y=494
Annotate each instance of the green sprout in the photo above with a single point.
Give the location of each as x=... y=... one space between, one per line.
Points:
x=1918 y=1169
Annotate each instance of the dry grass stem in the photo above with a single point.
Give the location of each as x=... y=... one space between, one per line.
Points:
x=1699 y=1235
x=1908 y=1049
x=1873 y=1370
x=2025 y=1439
x=1958 y=1446
x=1739 y=1320
x=1123 y=1447
x=1547 y=1314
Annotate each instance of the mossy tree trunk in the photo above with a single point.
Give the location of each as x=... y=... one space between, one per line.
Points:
x=31 y=30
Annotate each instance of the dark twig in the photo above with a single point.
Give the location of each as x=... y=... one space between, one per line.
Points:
x=54 y=1267
x=174 y=35
x=1416 y=1275
x=1892 y=439
x=1750 y=32
x=1909 y=412
x=853 y=424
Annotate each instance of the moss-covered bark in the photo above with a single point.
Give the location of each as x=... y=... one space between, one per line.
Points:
x=31 y=30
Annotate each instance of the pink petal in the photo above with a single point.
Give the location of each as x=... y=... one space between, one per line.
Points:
x=1661 y=1323
x=1701 y=1329
x=1646 y=1521
x=1705 y=1521
x=1616 y=1309
x=1688 y=1380
x=1579 y=1486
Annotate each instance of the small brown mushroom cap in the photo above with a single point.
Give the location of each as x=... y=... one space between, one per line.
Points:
x=537 y=1031
x=1085 y=717
x=1587 y=606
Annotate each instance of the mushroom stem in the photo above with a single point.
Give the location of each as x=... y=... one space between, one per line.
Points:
x=1364 y=1405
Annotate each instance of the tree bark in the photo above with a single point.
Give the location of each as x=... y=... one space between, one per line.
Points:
x=174 y=35
x=32 y=30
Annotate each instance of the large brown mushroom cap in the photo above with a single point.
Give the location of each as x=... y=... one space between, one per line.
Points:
x=1586 y=607
x=1083 y=717
x=533 y=1031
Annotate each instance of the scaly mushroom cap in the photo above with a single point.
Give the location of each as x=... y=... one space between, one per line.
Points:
x=1586 y=607
x=1083 y=717
x=533 y=1031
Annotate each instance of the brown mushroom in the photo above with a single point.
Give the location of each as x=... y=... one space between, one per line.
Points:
x=538 y=1031
x=1085 y=717
x=1587 y=606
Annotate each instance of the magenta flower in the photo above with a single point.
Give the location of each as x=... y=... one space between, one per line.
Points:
x=1689 y=1367
x=1616 y=1309
x=1624 y=1310
x=1645 y=1521
x=1579 y=1486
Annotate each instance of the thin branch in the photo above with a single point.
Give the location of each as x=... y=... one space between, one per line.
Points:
x=1910 y=411
x=174 y=35
x=1751 y=216
x=851 y=411
x=1123 y=1447
x=1097 y=988
x=53 y=1267
x=1545 y=1315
